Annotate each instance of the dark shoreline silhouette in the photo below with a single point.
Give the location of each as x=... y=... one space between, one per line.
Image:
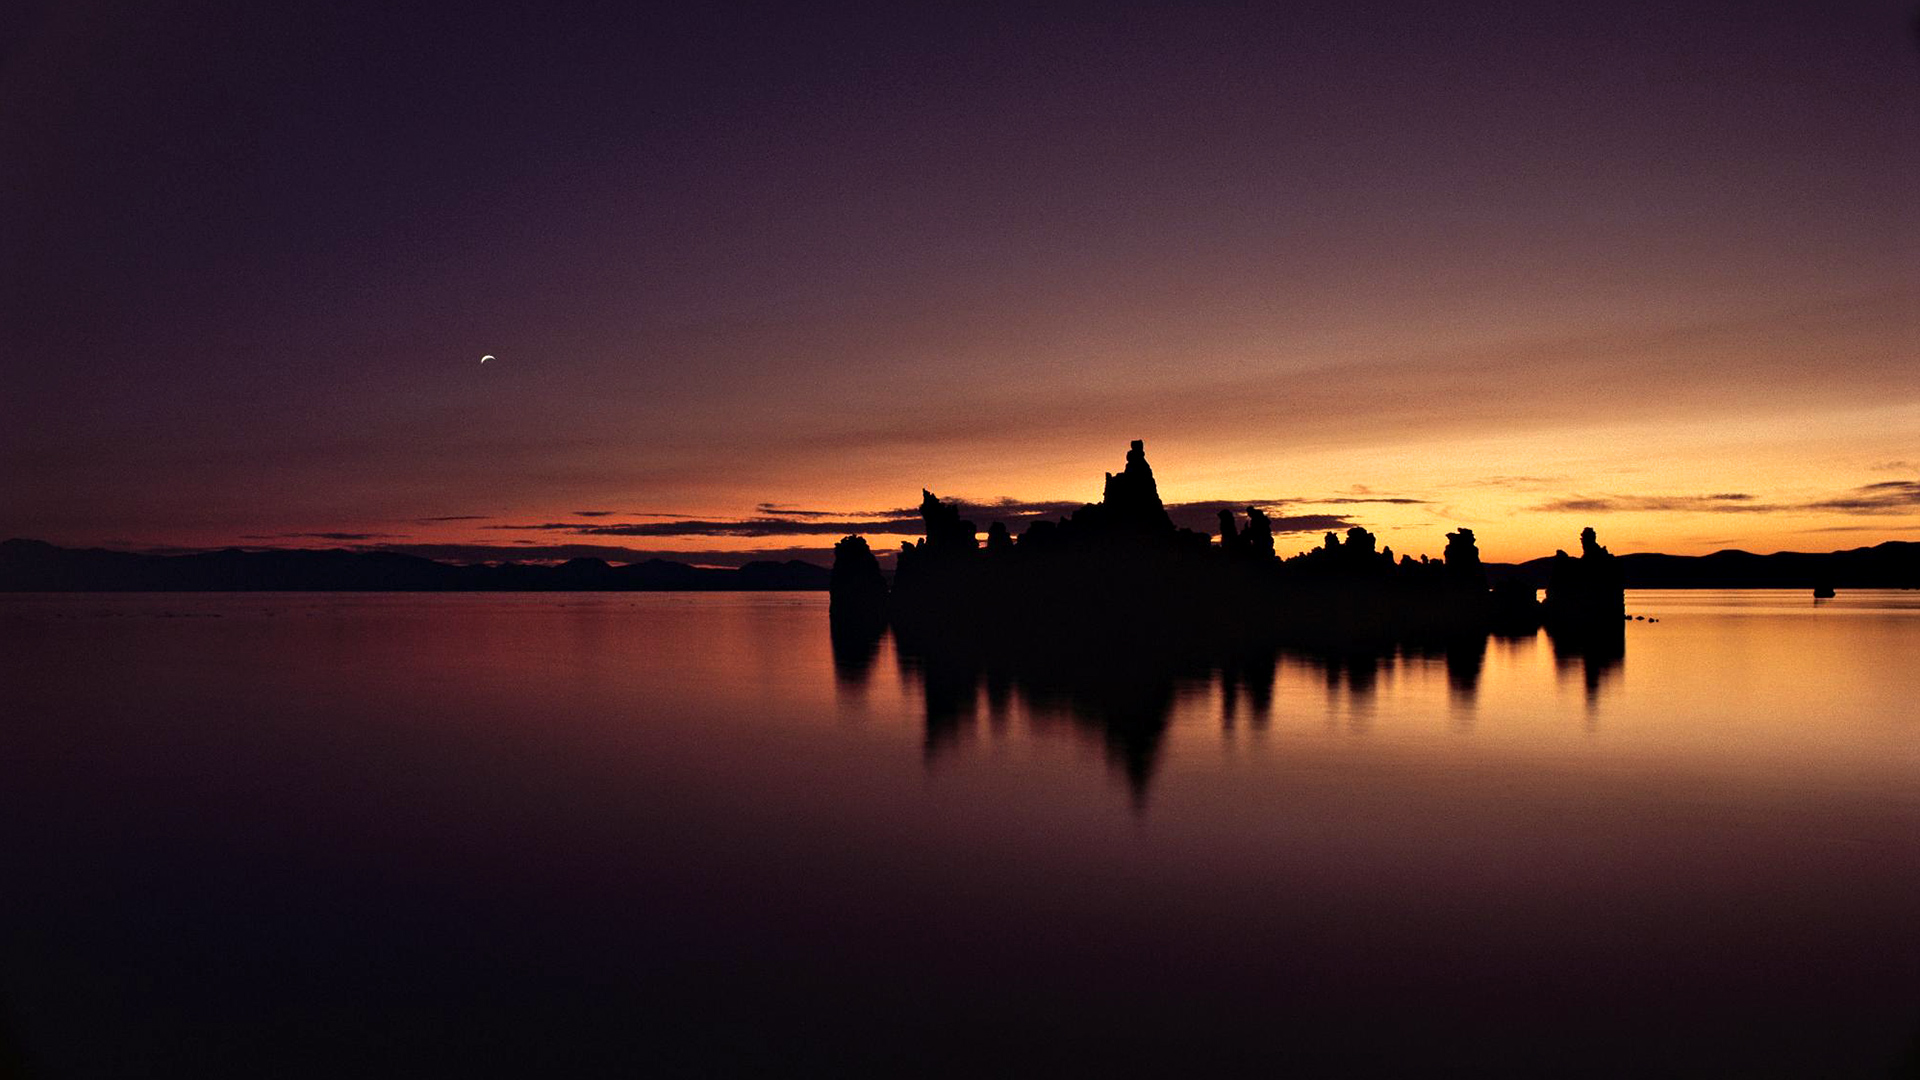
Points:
x=32 y=566
x=1894 y=564
x=35 y=566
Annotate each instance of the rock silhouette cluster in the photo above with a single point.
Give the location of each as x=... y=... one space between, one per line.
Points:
x=1118 y=572
x=1104 y=615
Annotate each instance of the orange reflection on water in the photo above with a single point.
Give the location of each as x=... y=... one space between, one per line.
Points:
x=671 y=819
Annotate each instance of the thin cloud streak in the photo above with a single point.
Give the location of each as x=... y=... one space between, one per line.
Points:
x=1309 y=523
x=1731 y=503
x=749 y=527
x=342 y=536
x=1884 y=497
x=1201 y=516
x=533 y=551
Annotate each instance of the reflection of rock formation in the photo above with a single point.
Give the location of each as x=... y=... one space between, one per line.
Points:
x=1126 y=708
x=1126 y=699
x=1123 y=702
x=1354 y=671
x=950 y=683
x=1464 y=656
x=1247 y=676
x=1465 y=659
x=854 y=653
x=1595 y=652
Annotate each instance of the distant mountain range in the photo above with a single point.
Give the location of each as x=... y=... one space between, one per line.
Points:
x=1892 y=565
x=33 y=566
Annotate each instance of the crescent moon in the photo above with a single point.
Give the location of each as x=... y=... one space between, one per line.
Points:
x=486 y=358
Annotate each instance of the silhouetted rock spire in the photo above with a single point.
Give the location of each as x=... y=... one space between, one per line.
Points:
x=1259 y=534
x=947 y=533
x=1230 y=541
x=1463 y=562
x=1255 y=544
x=1587 y=590
x=857 y=600
x=1131 y=499
x=1462 y=554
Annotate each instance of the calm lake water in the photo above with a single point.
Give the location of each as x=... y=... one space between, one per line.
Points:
x=631 y=834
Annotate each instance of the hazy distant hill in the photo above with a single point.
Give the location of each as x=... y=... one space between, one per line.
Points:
x=33 y=566
x=1892 y=565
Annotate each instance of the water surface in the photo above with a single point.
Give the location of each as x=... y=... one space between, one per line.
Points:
x=600 y=834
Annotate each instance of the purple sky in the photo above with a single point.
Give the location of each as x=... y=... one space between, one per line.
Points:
x=1521 y=266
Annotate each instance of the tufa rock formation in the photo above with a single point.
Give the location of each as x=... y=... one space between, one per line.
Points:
x=1118 y=577
x=857 y=592
x=1108 y=611
x=1586 y=591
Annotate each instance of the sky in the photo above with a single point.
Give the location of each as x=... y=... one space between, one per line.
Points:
x=754 y=276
